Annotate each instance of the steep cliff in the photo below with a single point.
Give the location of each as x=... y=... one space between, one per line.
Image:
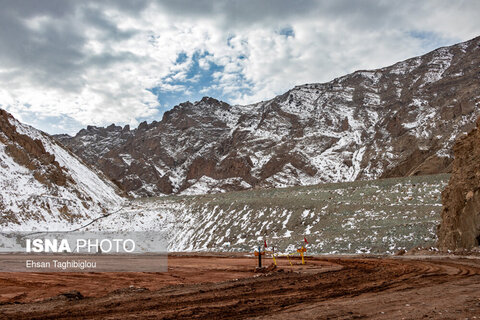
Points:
x=43 y=186
x=460 y=226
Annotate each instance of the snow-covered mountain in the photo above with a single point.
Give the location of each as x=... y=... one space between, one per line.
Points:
x=395 y=121
x=44 y=186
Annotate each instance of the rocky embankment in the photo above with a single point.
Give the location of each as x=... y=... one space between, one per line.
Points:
x=460 y=226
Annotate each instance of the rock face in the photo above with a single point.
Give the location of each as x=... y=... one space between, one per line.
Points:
x=396 y=121
x=31 y=154
x=43 y=185
x=460 y=226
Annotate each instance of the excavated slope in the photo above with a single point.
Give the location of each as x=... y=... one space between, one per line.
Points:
x=460 y=226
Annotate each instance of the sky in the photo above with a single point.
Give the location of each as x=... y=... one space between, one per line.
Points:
x=66 y=64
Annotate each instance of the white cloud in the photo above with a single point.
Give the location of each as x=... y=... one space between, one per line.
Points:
x=92 y=62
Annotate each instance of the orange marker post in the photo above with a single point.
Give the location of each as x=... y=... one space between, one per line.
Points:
x=302 y=250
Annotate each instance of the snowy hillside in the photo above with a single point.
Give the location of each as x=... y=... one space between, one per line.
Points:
x=45 y=187
x=395 y=121
x=357 y=217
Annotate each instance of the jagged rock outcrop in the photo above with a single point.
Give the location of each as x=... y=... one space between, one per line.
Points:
x=44 y=186
x=93 y=142
x=460 y=226
x=395 y=121
x=31 y=154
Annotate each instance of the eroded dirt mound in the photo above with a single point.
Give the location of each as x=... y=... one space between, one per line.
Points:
x=460 y=226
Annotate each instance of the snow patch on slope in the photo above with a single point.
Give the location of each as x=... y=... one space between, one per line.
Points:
x=35 y=206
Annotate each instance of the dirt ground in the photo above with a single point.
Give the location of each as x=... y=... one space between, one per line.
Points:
x=226 y=287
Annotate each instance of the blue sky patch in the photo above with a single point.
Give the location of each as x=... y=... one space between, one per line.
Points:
x=430 y=40
x=287 y=32
x=198 y=81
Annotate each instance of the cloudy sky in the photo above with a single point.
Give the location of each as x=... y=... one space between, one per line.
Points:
x=66 y=64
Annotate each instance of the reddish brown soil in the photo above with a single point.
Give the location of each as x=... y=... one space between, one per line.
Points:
x=225 y=287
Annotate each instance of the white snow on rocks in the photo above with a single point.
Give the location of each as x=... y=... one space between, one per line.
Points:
x=36 y=206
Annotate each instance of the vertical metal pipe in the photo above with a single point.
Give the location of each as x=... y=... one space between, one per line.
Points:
x=259 y=257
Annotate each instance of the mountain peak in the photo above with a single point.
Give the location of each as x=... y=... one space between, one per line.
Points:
x=214 y=102
x=395 y=121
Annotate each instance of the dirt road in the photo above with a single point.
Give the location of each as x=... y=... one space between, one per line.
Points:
x=224 y=287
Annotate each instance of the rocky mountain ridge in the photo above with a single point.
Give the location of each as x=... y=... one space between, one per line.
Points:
x=43 y=185
x=399 y=120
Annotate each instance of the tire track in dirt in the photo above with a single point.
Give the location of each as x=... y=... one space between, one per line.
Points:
x=333 y=278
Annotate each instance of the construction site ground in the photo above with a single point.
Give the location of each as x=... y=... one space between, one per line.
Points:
x=226 y=286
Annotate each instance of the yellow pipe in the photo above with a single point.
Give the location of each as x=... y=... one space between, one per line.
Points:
x=288 y=256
